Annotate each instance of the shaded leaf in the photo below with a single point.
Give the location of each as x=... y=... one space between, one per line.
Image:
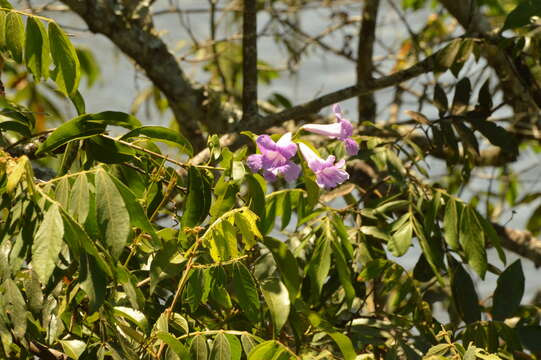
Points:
x=287 y=264
x=47 y=243
x=162 y=134
x=37 y=53
x=15 y=36
x=197 y=204
x=277 y=299
x=509 y=292
x=67 y=70
x=464 y=295
x=246 y=291
x=221 y=350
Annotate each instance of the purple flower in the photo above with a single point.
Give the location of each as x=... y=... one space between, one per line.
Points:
x=328 y=174
x=341 y=130
x=274 y=159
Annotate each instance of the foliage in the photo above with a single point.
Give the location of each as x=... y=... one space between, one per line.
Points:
x=127 y=253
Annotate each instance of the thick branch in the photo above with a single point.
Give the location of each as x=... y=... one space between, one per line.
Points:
x=365 y=66
x=133 y=32
x=313 y=106
x=521 y=242
x=249 y=61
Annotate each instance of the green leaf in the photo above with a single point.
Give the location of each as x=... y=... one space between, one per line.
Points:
x=246 y=221
x=464 y=295
x=497 y=135
x=236 y=348
x=93 y=281
x=112 y=215
x=246 y=292
x=461 y=99
x=440 y=100
x=13 y=305
x=6 y=4
x=521 y=15
x=47 y=243
x=198 y=288
x=225 y=201
x=17 y=126
x=344 y=272
x=446 y=57
x=138 y=217
x=36 y=53
x=287 y=264
x=175 y=345
x=89 y=66
x=15 y=36
x=343 y=342
x=400 y=241
x=256 y=196
x=472 y=239
x=164 y=135
x=319 y=265
x=79 y=103
x=267 y=350
x=79 y=199
x=73 y=348
x=117 y=118
x=277 y=298
x=450 y=224
x=198 y=348
x=198 y=200
x=67 y=70
x=248 y=343
x=221 y=350
x=509 y=292
x=79 y=127
x=3 y=16
x=534 y=223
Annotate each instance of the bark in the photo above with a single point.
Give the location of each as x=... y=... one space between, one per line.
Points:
x=249 y=60
x=366 y=106
x=131 y=29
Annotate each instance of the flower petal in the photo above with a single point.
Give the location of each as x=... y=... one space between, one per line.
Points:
x=254 y=162
x=346 y=129
x=337 y=110
x=314 y=162
x=291 y=171
x=269 y=176
x=287 y=147
x=265 y=143
x=331 y=177
x=352 y=148
x=273 y=159
x=331 y=130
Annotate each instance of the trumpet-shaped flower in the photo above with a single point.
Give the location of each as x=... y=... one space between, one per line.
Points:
x=341 y=130
x=274 y=159
x=328 y=173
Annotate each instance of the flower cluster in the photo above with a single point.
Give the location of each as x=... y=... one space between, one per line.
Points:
x=275 y=157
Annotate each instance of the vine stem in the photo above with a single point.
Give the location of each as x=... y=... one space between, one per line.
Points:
x=155 y=154
x=190 y=254
x=28 y=14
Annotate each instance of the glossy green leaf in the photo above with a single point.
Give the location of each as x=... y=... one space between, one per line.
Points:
x=36 y=53
x=79 y=103
x=47 y=243
x=77 y=128
x=235 y=346
x=117 y=118
x=67 y=70
x=267 y=350
x=198 y=200
x=73 y=348
x=287 y=264
x=509 y=292
x=113 y=217
x=277 y=299
x=162 y=134
x=246 y=292
x=15 y=36
x=15 y=126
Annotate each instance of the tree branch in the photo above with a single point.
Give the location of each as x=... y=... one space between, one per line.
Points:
x=521 y=242
x=249 y=61
x=365 y=51
x=132 y=30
